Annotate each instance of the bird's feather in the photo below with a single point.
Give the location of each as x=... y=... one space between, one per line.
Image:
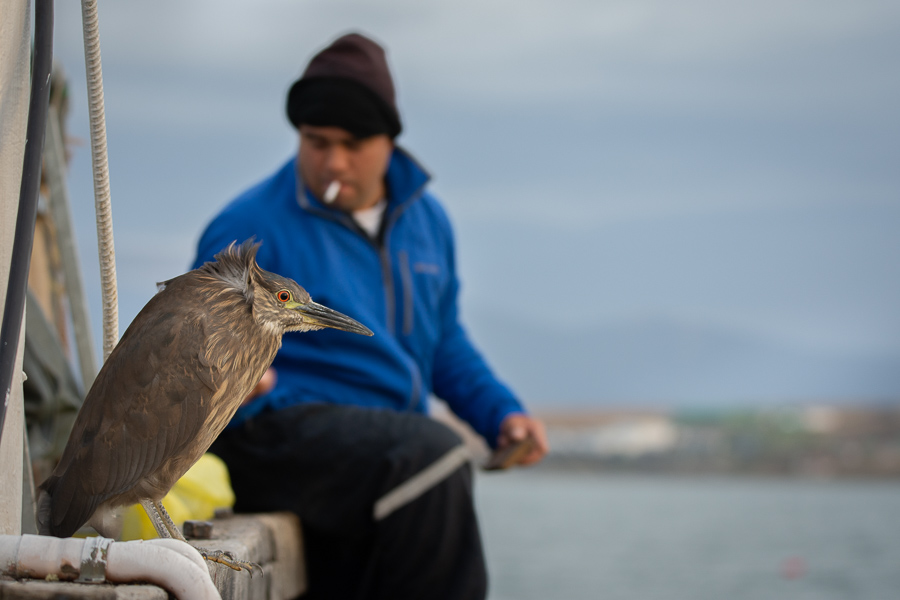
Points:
x=159 y=393
x=170 y=386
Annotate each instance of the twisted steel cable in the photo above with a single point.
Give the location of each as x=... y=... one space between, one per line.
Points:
x=99 y=160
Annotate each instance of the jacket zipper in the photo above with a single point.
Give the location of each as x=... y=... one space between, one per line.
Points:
x=408 y=299
x=388 y=277
x=381 y=245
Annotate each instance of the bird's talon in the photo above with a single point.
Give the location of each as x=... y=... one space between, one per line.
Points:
x=223 y=557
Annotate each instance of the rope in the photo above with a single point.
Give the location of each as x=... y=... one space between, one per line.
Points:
x=100 y=163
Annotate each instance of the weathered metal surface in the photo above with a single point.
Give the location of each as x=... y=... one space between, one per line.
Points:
x=197 y=530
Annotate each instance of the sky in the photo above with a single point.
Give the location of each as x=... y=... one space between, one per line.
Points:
x=656 y=204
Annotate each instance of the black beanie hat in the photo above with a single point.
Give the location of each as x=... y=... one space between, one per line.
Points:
x=347 y=85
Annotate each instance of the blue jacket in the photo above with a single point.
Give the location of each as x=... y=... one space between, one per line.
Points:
x=404 y=288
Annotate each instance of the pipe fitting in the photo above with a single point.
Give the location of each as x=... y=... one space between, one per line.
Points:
x=171 y=564
x=94 y=560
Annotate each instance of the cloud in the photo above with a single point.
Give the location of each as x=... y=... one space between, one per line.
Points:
x=694 y=160
x=697 y=52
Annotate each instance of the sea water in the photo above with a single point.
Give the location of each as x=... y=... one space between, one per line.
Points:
x=583 y=536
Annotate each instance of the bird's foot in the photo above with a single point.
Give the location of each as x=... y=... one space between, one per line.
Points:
x=223 y=557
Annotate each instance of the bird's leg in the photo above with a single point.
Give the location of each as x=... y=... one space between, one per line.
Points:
x=166 y=528
x=162 y=522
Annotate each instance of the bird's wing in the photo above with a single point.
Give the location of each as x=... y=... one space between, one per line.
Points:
x=147 y=404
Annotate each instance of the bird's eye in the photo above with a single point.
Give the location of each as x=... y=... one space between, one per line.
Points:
x=283 y=296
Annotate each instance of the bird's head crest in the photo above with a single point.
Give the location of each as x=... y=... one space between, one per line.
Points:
x=278 y=304
x=236 y=265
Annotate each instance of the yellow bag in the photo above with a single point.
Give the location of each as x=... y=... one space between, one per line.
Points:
x=197 y=495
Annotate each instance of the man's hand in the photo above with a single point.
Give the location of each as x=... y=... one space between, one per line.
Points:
x=516 y=428
x=265 y=385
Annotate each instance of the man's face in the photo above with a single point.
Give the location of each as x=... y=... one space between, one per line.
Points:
x=330 y=154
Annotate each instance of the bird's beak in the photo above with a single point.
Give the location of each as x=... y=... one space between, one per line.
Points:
x=316 y=314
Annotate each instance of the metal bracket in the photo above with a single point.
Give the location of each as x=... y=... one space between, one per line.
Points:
x=93 y=560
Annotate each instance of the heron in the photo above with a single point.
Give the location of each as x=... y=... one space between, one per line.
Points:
x=170 y=386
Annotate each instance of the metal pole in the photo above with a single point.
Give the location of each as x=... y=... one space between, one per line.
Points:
x=13 y=309
x=21 y=137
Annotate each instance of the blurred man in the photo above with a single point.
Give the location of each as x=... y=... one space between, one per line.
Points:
x=339 y=432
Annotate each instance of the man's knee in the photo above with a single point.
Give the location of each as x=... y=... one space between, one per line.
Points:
x=432 y=456
x=439 y=437
x=424 y=442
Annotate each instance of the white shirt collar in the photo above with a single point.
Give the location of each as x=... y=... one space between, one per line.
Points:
x=370 y=218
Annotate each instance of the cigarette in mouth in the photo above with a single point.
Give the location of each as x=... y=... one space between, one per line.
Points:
x=332 y=192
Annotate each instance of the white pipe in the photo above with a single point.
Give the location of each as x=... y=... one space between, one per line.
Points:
x=170 y=564
x=180 y=547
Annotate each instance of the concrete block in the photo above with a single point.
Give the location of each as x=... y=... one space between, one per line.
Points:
x=234 y=585
x=50 y=590
x=288 y=578
x=271 y=540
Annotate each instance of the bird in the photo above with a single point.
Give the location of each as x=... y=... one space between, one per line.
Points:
x=172 y=383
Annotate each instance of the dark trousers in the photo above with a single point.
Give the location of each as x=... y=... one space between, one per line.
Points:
x=384 y=499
